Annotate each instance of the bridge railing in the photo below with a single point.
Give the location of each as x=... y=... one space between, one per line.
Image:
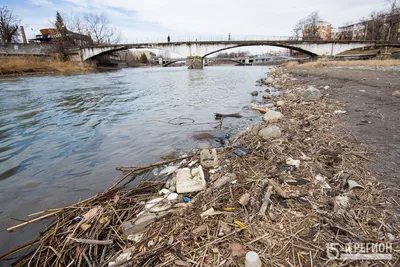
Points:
x=216 y=38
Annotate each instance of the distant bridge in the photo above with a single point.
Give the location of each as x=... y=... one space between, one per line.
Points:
x=196 y=51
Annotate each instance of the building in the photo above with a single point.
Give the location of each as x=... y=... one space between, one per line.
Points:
x=322 y=32
x=51 y=35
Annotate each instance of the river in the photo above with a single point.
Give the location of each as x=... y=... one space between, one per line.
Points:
x=61 y=137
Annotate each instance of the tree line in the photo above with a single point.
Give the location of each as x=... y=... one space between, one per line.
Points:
x=380 y=25
x=97 y=26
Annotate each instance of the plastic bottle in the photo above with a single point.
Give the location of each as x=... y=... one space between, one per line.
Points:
x=252 y=259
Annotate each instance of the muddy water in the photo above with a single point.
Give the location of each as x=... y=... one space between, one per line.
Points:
x=61 y=137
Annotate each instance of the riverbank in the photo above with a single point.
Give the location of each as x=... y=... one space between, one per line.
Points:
x=32 y=65
x=285 y=189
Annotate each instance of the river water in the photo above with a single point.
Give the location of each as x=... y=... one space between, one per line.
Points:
x=61 y=137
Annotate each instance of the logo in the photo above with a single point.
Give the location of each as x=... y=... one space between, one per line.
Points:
x=359 y=251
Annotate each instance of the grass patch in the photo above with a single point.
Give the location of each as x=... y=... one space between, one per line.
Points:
x=32 y=65
x=367 y=63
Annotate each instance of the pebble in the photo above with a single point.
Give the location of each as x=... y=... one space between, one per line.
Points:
x=311 y=94
x=396 y=93
x=270 y=132
x=272 y=116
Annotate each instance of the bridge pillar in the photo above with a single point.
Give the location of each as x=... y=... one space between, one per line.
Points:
x=160 y=61
x=194 y=62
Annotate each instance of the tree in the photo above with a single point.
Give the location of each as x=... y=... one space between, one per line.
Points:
x=143 y=59
x=309 y=27
x=99 y=27
x=8 y=25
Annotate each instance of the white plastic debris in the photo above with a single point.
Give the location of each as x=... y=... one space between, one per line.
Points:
x=172 y=196
x=164 y=191
x=293 y=162
x=135 y=237
x=157 y=205
x=208 y=212
x=340 y=204
x=252 y=259
x=353 y=184
x=340 y=112
x=168 y=170
x=190 y=180
x=320 y=180
x=124 y=257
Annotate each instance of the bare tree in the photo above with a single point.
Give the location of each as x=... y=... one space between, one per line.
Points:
x=8 y=25
x=309 y=27
x=99 y=27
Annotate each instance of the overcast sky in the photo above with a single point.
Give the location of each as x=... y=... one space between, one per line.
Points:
x=142 y=19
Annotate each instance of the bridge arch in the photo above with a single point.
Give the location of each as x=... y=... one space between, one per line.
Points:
x=281 y=46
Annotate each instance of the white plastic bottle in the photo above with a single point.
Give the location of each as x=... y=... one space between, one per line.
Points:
x=252 y=259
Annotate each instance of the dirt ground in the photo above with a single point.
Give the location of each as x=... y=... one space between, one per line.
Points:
x=373 y=114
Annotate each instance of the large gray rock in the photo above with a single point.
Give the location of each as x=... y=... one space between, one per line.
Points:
x=311 y=94
x=270 y=132
x=396 y=93
x=272 y=116
x=209 y=158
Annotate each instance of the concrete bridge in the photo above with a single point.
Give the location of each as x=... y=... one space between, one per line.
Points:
x=195 y=51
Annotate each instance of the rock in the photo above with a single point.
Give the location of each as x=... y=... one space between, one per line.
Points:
x=268 y=81
x=280 y=103
x=267 y=90
x=207 y=159
x=270 y=132
x=254 y=93
x=190 y=180
x=327 y=87
x=200 y=231
x=201 y=136
x=277 y=87
x=229 y=177
x=311 y=94
x=396 y=93
x=269 y=105
x=244 y=199
x=267 y=96
x=272 y=116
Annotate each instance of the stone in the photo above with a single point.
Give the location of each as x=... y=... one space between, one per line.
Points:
x=208 y=158
x=244 y=199
x=268 y=81
x=267 y=90
x=267 y=96
x=327 y=87
x=396 y=93
x=311 y=94
x=272 y=116
x=201 y=136
x=190 y=180
x=270 y=132
x=254 y=93
x=280 y=103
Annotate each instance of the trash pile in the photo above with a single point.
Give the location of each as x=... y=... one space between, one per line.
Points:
x=280 y=193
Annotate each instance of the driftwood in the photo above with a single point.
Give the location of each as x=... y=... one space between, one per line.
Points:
x=219 y=116
x=262 y=110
